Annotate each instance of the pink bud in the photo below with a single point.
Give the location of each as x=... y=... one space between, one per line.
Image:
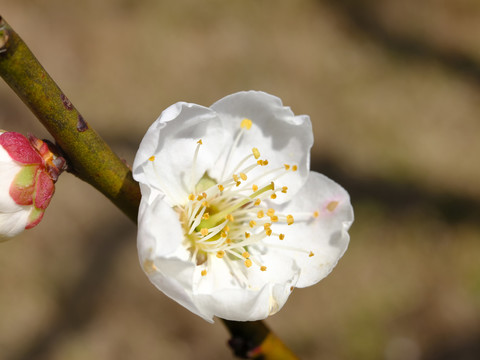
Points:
x=26 y=183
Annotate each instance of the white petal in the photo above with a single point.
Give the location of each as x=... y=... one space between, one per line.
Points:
x=280 y=136
x=325 y=236
x=172 y=140
x=12 y=224
x=252 y=296
x=8 y=170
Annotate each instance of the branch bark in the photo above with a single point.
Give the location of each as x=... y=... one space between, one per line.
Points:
x=92 y=160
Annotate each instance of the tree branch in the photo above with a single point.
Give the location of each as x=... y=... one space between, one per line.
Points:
x=92 y=160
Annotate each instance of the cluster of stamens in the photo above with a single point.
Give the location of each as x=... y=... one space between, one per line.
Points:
x=226 y=219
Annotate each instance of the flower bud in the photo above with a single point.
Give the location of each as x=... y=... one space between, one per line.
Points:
x=28 y=170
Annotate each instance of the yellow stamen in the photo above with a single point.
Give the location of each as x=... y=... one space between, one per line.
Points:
x=206 y=216
x=220 y=254
x=235 y=177
x=268 y=232
x=274 y=218
x=270 y=212
x=199 y=142
x=263 y=268
x=273 y=196
x=257 y=202
x=332 y=205
x=281 y=236
x=287 y=167
x=246 y=124
x=204 y=194
x=151 y=158
x=248 y=263
x=247 y=235
x=191 y=197
x=223 y=234
x=243 y=176
x=294 y=168
x=311 y=254
x=200 y=197
x=246 y=255
x=204 y=272
x=289 y=219
x=260 y=214
x=205 y=204
x=267 y=226
x=256 y=153
x=226 y=228
x=254 y=187
x=284 y=189
x=316 y=214
x=204 y=231
x=228 y=241
x=221 y=188
x=252 y=223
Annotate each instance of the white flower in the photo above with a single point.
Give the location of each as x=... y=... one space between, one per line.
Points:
x=231 y=219
x=27 y=173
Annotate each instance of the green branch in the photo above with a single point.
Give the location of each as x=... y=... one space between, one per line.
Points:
x=92 y=160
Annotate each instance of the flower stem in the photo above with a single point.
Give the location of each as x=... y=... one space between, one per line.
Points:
x=92 y=160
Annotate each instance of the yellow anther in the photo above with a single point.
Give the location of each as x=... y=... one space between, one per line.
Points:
x=228 y=241
x=204 y=194
x=289 y=219
x=205 y=204
x=311 y=254
x=204 y=272
x=229 y=217
x=254 y=187
x=270 y=212
x=267 y=226
x=151 y=158
x=191 y=197
x=287 y=167
x=284 y=189
x=272 y=184
x=246 y=255
x=221 y=188
x=204 y=231
x=235 y=177
x=268 y=232
x=199 y=197
x=199 y=142
x=265 y=162
x=273 y=196
x=260 y=214
x=274 y=218
x=246 y=124
x=263 y=268
x=257 y=202
x=220 y=254
x=281 y=236
x=248 y=263
x=247 y=235
x=206 y=216
x=294 y=168
x=223 y=234
x=256 y=153
x=238 y=183
x=226 y=228
x=332 y=205
x=252 y=223
x=260 y=162
x=243 y=176
x=316 y=214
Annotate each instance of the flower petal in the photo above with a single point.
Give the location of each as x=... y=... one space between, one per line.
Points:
x=12 y=224
x=254 y=296
x=315 y=243
x=172 y=141
x=279 y=135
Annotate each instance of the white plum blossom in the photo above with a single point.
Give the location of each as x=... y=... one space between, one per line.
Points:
x=231 y=219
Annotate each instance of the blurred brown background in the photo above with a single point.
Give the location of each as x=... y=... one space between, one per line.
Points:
x=393 y=90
